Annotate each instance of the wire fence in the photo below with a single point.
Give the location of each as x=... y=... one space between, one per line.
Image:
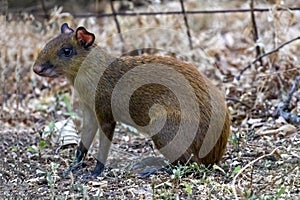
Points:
x=182 y=11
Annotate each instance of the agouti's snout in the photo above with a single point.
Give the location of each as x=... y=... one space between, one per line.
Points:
x=45 y=69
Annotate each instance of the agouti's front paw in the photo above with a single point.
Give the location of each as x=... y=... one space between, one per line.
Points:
x=95 y=173
x=74 y=168
x=98 y=169
x=77 y=164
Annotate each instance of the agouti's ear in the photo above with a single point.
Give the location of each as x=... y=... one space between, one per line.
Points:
x=84 y=37
x=66 y=29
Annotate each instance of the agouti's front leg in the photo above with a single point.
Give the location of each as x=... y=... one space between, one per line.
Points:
x=88 y=132
x=106 y=132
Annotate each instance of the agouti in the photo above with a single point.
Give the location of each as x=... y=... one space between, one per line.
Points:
x=170 y=100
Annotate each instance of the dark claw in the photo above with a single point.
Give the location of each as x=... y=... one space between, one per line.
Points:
x=95 y=173
x=77 y=164
x=98 y=169
x=75 y=167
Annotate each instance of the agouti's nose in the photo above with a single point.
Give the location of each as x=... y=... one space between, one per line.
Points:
x=41 y=68
x=37 y=69
x=45 y=69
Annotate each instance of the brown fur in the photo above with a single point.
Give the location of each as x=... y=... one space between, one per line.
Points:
x=155 y=93
x=95 y=93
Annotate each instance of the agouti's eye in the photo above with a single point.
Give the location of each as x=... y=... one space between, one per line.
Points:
x=67 y=52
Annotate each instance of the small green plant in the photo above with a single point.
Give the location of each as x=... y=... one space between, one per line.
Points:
x=65 y=101
x=33 y=149
x=280 y=192
x=189 y=189
x=237 y=169
x=235 y=139
x=14 y=148
x=52 y=177
x=49 y=130
x=179 y=171
x=36 y=149
x=247 y=193
x=42 y=144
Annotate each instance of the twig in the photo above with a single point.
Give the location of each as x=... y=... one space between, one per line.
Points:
x=44 y=9
x=192 y=12
x=186 y=24
x=255 y=32
x=281 y=110
x=116 y=20
x=4 y=10
x=244 y=168
x=286 y=174
x=2 y=99
x=264 y=55
x=238 y=101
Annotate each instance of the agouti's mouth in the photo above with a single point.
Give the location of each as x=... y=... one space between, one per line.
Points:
x=45 y=69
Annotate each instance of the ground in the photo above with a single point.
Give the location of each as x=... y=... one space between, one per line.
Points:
x=262 y=156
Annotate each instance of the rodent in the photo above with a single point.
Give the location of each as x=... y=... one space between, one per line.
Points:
x=95 y=73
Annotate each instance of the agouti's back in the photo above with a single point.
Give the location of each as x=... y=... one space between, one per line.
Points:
x=151 y=81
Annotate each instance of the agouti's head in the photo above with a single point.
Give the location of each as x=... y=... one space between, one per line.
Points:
x=64 y=54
